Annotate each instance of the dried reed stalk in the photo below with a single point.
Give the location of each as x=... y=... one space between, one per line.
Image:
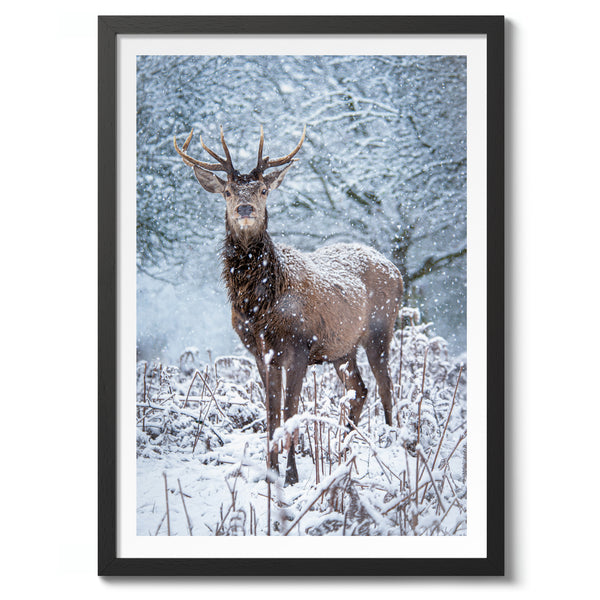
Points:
x=187 y=516
x=445 y=425
x=167 y=503
x=190 y=388
x=268 y=365
x=448 y=418
x=315 y=428
x=160 y=524
x=419 y=423
x=437 y=493
x=144 y=400
x=201 y=424
x=322 y=488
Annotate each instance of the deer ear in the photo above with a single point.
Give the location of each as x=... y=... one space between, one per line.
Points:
x=209 y=181
x=274 y=179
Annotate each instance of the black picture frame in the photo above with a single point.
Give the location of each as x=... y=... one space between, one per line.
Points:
x=109 y=27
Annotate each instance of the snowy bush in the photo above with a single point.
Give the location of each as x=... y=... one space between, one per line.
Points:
x=203 y=427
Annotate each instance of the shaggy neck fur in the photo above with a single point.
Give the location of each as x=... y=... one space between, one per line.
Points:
x=253 y=274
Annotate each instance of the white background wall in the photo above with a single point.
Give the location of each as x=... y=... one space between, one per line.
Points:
x=48 y=335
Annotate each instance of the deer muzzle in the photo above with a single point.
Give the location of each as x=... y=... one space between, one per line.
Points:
x=245 y=210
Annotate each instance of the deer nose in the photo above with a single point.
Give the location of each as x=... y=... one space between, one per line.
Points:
x=245 y=210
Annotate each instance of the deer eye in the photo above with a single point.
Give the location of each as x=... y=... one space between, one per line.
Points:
x=264 y=191
x=227 y=193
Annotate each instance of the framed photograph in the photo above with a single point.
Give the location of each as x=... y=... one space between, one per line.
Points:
x=301 y=295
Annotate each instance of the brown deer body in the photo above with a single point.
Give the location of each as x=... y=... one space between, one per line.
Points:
x=292 y=309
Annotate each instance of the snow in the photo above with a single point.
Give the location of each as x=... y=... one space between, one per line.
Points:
x=340 y=269
x=204 y=431
x=268 y=357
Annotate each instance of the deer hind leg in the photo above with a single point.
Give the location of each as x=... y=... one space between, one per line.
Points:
x=377 y=348
x=348 y=372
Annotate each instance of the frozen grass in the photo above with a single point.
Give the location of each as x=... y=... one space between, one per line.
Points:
x=201 y=444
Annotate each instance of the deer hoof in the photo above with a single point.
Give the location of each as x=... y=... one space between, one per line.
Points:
x=291 y=477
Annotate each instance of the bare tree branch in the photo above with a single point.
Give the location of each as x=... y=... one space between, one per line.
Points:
x=434 y=263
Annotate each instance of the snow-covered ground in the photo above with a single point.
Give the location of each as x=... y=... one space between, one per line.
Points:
x=201 y=443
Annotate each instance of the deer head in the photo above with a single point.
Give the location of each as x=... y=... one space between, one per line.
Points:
x=245 y=195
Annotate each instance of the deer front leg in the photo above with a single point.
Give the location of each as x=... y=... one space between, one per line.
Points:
x=294 y=377
x=273 y=405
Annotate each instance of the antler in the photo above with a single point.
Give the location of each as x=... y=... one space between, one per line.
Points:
x=224 y=164
x=264 y=163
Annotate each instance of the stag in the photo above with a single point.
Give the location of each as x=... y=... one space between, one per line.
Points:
x=293 y=309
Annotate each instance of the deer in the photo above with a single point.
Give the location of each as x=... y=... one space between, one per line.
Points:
x=292 y=309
